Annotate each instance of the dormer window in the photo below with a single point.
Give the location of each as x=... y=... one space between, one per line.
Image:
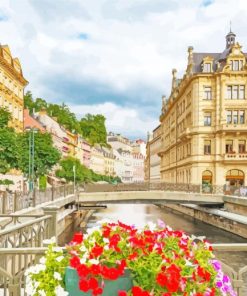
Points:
x=207 y=67
x=236 y=65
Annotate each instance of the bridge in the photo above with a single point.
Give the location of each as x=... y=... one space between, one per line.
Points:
x=148 y=193
x=26 y=220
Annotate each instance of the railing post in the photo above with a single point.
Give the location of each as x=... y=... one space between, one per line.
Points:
x=64 y=190
x=53 y=212
x=4 y=202
x=15 y=287
x=34 y=197
x=15 y=202
x=52 y=192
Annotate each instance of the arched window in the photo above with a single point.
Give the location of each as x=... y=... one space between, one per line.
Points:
x=207 y=177
x=235 y=177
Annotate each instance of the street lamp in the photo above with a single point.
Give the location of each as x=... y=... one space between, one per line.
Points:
x=74 y=176
x=31 y=131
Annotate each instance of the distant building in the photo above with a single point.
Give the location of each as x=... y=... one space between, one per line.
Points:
x=138 y=167
x=139 y=146
x=58 y=133
x=72 y=143
x=116 y=141
x=97 y=162
x=109 y=159
x=31 y=122
x=12 y=84
x=124 y=164
x=152 y=161
x=86 y=148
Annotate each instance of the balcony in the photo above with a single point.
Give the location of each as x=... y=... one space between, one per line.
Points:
x=66 y=140
x=235 y=156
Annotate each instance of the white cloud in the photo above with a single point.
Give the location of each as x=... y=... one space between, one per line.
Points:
x=119 y=119
x=131 y=44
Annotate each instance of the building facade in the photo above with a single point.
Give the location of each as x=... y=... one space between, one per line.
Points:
x=116 y=141
x=152 y=161
x=109 y=159
x=124 y=165
x=97 y=162
x=138 y=167
x=203 y=123
x=12 y=84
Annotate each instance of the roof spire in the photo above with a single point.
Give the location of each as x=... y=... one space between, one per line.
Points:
x=230 y=37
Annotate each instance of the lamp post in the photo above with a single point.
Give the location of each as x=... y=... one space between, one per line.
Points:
x=31 y=131
x=74 y=176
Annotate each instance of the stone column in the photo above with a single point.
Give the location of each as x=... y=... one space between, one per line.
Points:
x=53 y=226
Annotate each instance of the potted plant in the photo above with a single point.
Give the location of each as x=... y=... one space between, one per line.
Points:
x=119 y=259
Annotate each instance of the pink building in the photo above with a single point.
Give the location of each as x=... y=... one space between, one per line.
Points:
x=138 y=167
x=86 y=148
x=31 y=122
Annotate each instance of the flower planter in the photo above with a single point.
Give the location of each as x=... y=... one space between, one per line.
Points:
x=111 y=287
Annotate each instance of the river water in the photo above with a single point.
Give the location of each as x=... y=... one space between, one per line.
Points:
x=140 y=214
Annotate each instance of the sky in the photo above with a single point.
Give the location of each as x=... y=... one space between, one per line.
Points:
x=114 y=57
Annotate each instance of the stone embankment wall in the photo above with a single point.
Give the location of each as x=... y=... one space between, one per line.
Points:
x=233 y=224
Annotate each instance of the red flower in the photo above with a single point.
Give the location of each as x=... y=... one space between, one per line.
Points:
x=137 y=291
x=77 y=238
x=95 y=269
x=74 y=262
x=97 y=291
x=97 y=251
x=82 y=270
x=167 y=294
x=83 y=285
x=122 y=293
x=93 y=283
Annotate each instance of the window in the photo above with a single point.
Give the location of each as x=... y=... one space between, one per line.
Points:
x=241 y=146
x=207 y=93
x=235 y=117
x=207 y=67
x=229 y=146
x=229 y=116
x=236 y=65
x=207 y=119
x=236 y=92
x=207 y=147
x=241 y=117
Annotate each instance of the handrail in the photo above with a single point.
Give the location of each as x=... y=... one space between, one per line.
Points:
x=22 y=225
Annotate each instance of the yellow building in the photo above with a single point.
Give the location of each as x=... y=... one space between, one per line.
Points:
x=72 y=143
x=203 y=123
x=152 y=160
x=97 y=161
x=109 y=162
x=12 y=84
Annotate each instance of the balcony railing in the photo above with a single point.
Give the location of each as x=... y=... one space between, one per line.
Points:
x=235 y=156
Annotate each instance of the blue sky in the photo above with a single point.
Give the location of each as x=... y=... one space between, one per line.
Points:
x=114 y=56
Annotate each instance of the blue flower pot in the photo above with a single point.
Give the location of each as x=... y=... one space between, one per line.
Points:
x=111 y=288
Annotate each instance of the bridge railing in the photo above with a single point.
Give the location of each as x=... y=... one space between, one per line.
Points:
x=147 y=186
x=13 y=284
x=11 y=202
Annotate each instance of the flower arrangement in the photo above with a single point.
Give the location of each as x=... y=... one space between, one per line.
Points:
x=161 y=262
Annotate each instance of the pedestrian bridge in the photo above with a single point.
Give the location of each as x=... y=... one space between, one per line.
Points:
x=149 y=193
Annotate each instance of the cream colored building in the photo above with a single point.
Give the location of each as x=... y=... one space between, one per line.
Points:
x=203 y=123
x=152 y=160
x=109 y=162
x=12 y=84
x=97 y=161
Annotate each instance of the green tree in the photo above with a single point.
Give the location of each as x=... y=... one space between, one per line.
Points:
x=45 y=155
x=9 y=150
x=5 y=117
x=93 y=129
x=28 y=101
x=82 y=174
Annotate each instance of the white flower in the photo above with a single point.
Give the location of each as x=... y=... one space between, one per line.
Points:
x=42 y=293
x=57 y=249
x=106 y=247
x=57 y=276
x=106 y=240
x=42 y=260
x=60 y=258
x=52 y=240
x=94 y=261
x=83 y=260
x=151 y=226
x=59 y=291
x=83 y=248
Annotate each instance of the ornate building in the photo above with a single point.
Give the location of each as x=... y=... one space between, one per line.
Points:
x=12 y=84
x=152 y=160
x=203 y=123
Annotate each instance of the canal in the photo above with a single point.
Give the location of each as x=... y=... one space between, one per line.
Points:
x=140 y=214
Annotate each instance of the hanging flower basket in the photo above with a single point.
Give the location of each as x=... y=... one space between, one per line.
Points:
x=116 y=259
